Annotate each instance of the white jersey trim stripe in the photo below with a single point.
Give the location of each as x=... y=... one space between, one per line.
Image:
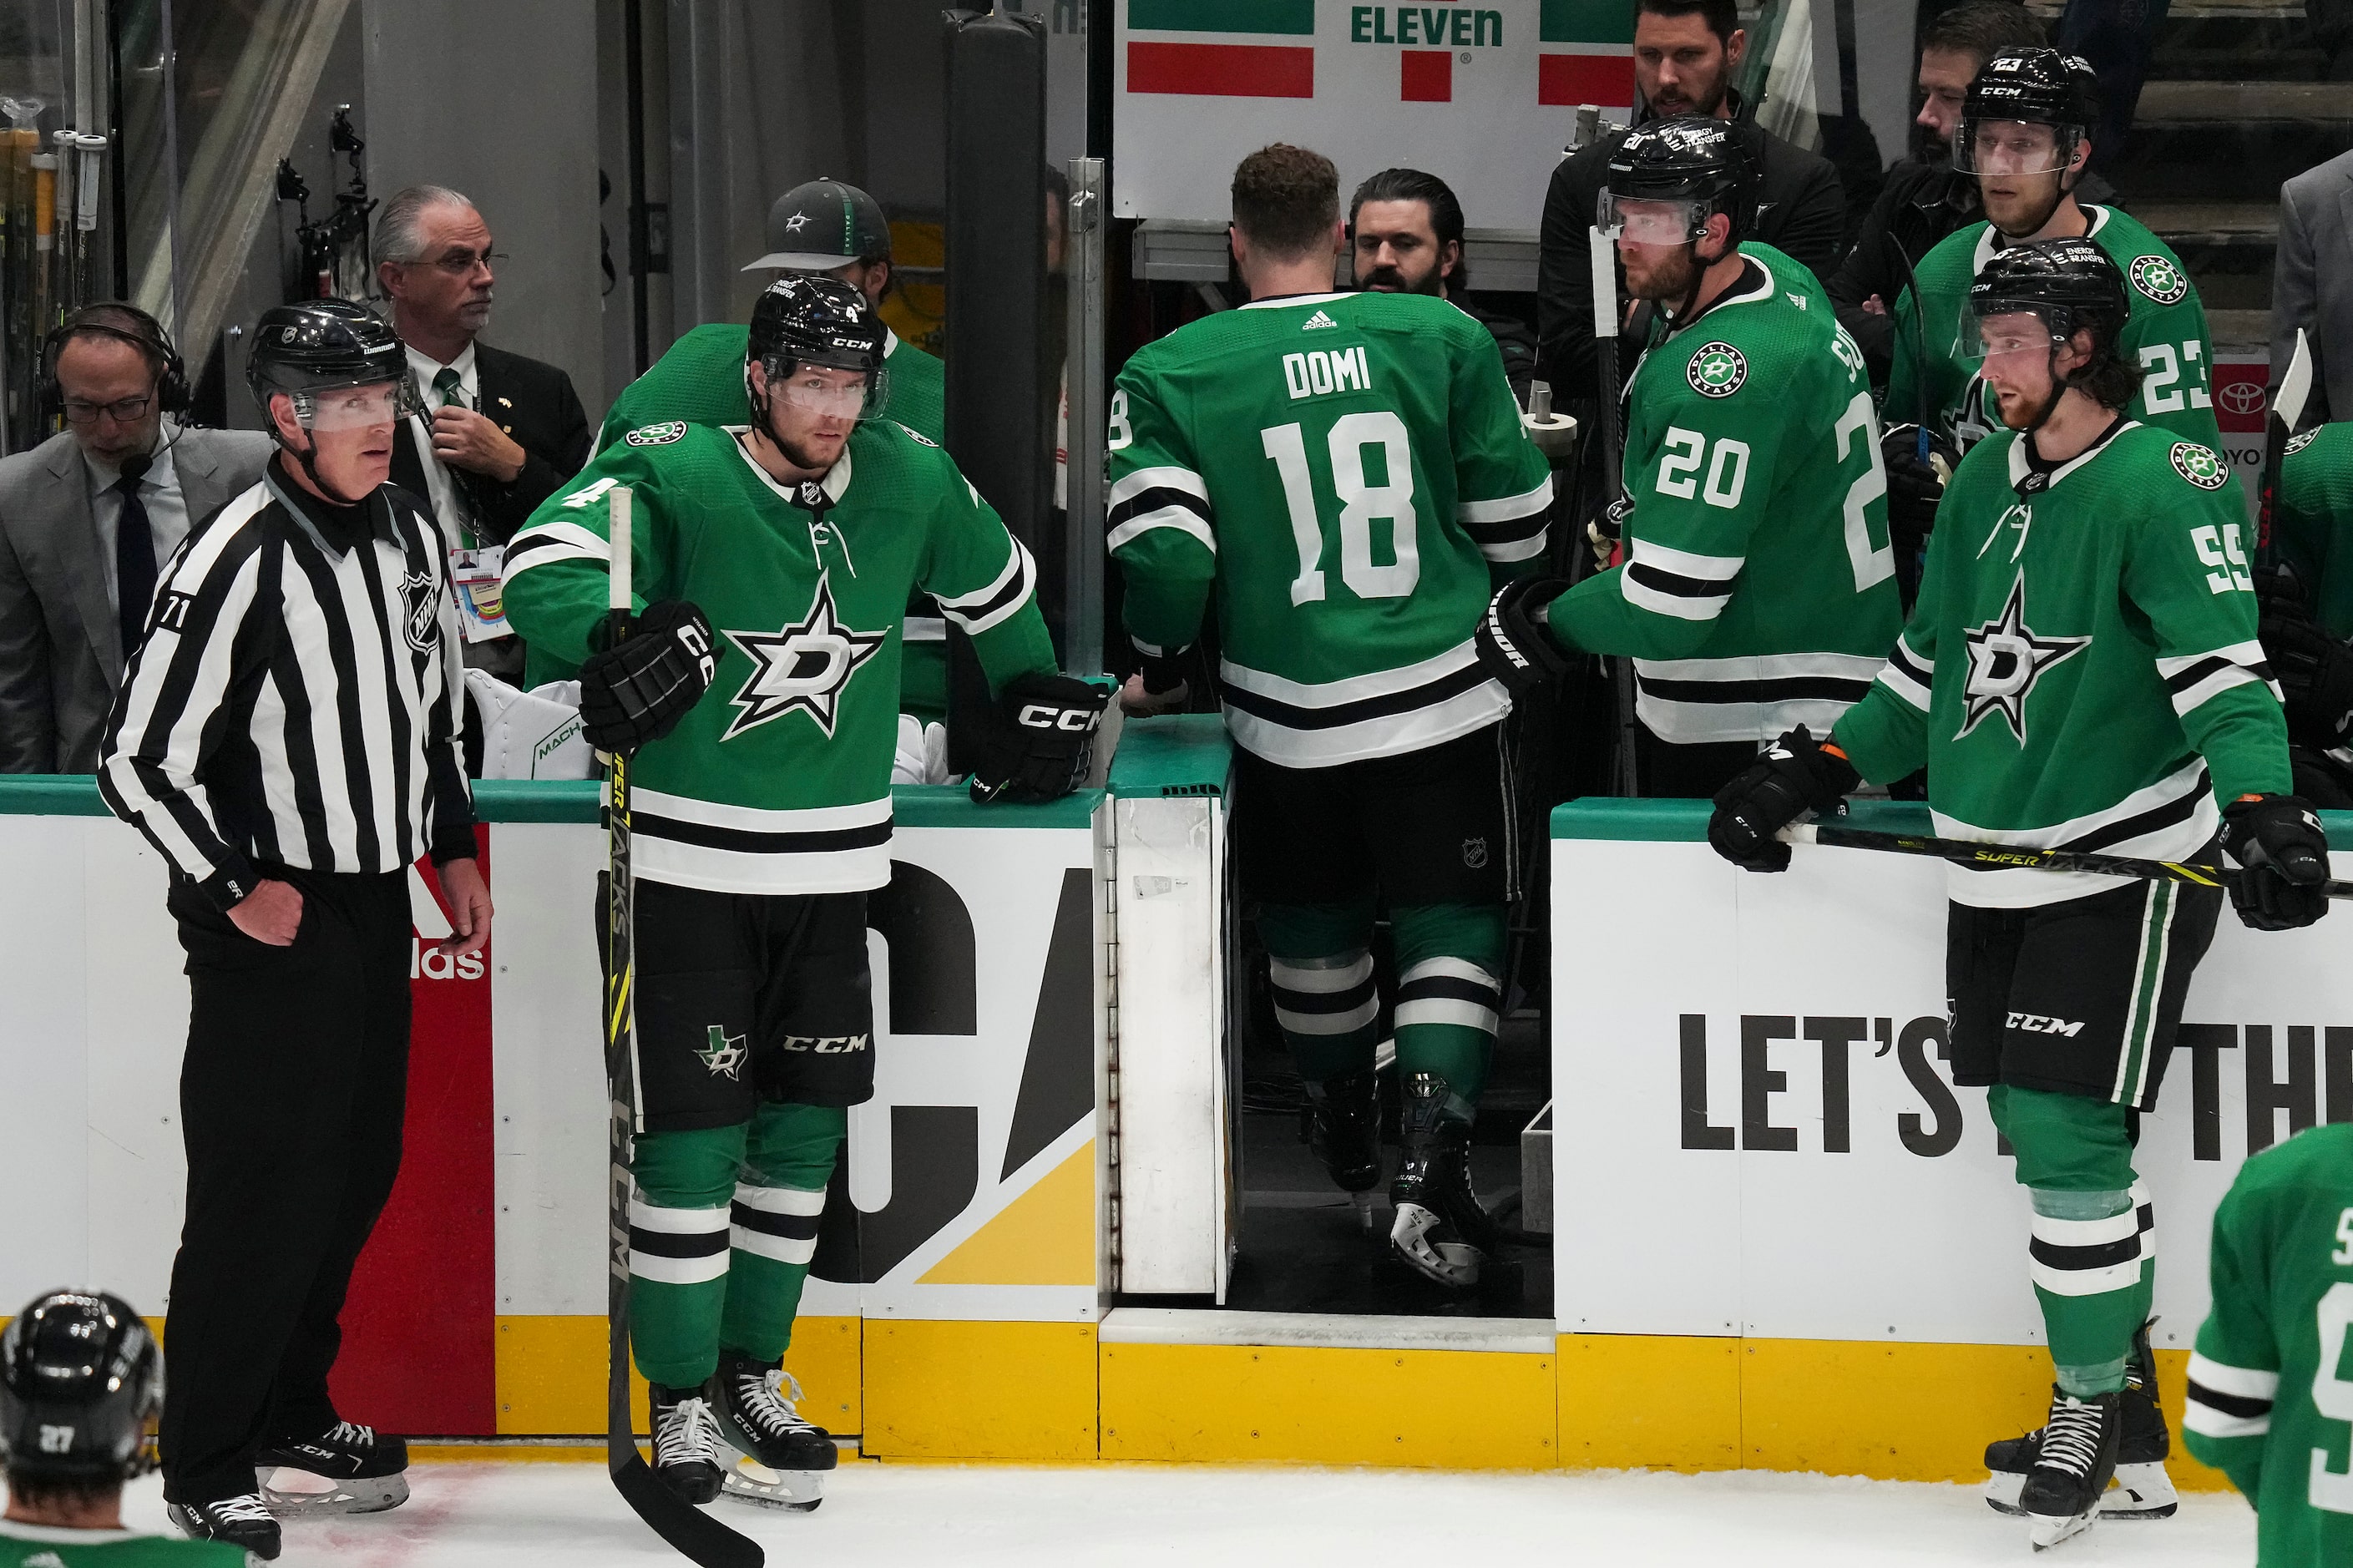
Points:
x=1314 y=980
x=2238 y=1381
x=1475 y=708
x=1350 y=689
x=1506 y=509
x=1181 y=519
x=1686 y=563
x=1132 y=485
x=712 y=871
x=1328 y=1023
x=1515 y=550
x=2017 y=889
x=754 y=819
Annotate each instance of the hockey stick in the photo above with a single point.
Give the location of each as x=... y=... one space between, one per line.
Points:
x=1613 y=459
x=692 y=1532
x=2288 y=412
x=2013 y=857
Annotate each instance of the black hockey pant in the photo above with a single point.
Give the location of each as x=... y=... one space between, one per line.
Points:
x=290 y=1101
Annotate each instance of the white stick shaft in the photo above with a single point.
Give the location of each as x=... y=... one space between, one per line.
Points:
x=1605 y=284
x=617 y=502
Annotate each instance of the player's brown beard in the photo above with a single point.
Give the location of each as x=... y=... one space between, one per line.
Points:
x=1389 y=278
x=1672 y=280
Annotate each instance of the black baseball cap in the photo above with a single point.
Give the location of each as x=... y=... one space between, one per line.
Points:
x=825 y=223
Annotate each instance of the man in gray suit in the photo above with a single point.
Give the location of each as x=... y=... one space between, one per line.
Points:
x=2311 y=284
x=87 y=520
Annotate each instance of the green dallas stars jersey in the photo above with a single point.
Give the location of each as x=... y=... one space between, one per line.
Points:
x=2078 y=644
x=2314 y=519
x=2165 y=333
x=1345 y=468
x=1759 y=591
x=41 y=1546
x=2271 y=1383
x=779 y=780
x=700 y=379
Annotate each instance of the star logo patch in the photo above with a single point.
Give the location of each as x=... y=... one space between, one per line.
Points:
x=723 y=1053
x=801 y=667
x=796 y=223
x=2006 y=659
x=2159 y=279
x=2201 y=466
x=2299 y=443
x=1717 y=370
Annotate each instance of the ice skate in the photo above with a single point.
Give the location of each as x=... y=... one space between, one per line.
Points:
x=1441 y=1231
x=348 y=1469
x=2142 y=1490
x=240 y=1522
x=770 y=1455
x=2075 y=1462
x=1344 y=1130
x=687 y=1445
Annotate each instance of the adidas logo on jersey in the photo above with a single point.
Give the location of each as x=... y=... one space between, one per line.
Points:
x=1318 y=320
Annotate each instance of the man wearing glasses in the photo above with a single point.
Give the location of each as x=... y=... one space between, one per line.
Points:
x=498 y=432
x=88 y=519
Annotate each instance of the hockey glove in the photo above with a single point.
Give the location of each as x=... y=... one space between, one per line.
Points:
x=1916 y=485
x=638 y=690
x=1796 y=777
x=1606 y=531
x=1512 y=642
x=2314 y=672
x=1042 y=743
x=2283 y=857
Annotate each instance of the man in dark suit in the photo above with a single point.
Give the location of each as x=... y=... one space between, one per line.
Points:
x=88 y=519
x=500 y=432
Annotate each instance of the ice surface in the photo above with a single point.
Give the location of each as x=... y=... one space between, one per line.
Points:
x=881 y=1516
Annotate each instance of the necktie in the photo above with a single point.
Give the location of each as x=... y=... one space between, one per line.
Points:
x=445 y=382
x=452 y=393
x=134 y=559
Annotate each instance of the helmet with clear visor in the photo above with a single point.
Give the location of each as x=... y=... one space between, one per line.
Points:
x=1667 y=178
x=2026 y=112
x=821 y=346
x=340 y=362
x=2034 y=298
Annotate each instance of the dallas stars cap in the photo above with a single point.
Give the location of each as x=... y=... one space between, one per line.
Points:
x=823 y=225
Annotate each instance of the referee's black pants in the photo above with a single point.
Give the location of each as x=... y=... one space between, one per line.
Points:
x=290 y=1102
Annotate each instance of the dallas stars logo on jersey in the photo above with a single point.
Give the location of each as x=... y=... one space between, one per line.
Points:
x=1717 y=370
x=2201 y=466
x=2006 y=659
x=723 y=1052
x=801 y=667
x=2159 y=279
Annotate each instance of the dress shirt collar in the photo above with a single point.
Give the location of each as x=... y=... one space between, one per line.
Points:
x=159 y=474
x=425 y=367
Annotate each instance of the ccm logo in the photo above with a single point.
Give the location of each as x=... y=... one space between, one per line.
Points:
x=824 y=1045
x=1040 y=716
x=2036 y=1024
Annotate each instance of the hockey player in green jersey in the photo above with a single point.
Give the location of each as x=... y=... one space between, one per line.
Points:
x=81 y=1384
x=757 y=691
x=2082 y=673
x=2271 y=1383
x=2308 y=611
x=1350 y=472
x=1758 y=588
x=2023 y=134
x=830 y=228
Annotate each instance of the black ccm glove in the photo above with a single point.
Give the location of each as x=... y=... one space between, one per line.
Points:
x=638 y=690
x=1916 y=485
x=2283 y=857
x=2315 y=670
x=1794 y=777
x=1511 y=646
x=1042 y=743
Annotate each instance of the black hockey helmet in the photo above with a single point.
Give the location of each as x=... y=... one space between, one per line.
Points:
x=318 y=345
x=1692 y=159
x=2028 y=87
x=802 y=319
x=822 y=224
x=2071 y=284
x=80 y=1380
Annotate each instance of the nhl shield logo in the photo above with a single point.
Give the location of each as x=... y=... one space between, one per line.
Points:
x=1717 y=370
x=420 y=599
x=660 y=434
x=1474 y=853
x=2201 y=466
x=2160 y=278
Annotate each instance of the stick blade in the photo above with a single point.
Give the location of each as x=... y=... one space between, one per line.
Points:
x=690 y=1532
x=2296 y=385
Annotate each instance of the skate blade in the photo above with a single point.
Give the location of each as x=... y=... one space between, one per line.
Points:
x=1363 y=1204
x=749 y=1481
x=2142 y=1491
x=2048 y=1530
x=289 y=1493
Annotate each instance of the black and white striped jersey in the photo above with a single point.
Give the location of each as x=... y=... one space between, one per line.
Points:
x=296 y=699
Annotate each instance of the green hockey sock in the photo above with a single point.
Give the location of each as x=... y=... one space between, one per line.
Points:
x=1449 y=959
x=788 y=1161
x=2092 y=1256
x=1320 y=962
x=678 y=1250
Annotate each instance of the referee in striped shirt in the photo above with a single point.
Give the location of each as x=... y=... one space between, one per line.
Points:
x=287 y=737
